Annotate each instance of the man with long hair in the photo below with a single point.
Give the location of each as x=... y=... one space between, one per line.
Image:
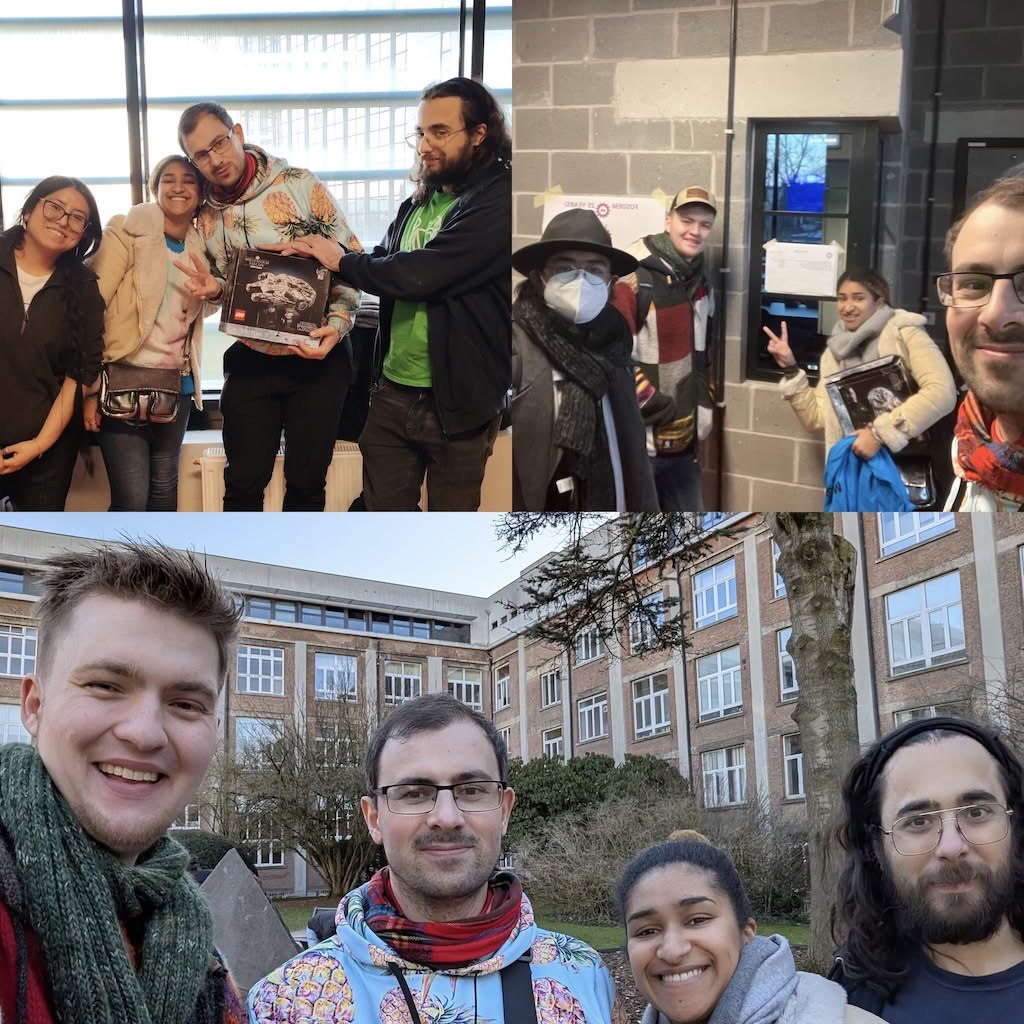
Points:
x=443 y=356
x=99 y=919
x=930 y=908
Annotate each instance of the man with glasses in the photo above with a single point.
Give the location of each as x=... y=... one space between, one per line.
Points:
x=256 y=200
x=931 y=897
x=439 y=934
x=984 y=296
x=443 y=354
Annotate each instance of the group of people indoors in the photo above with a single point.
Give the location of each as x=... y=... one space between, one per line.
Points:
x=95 y=322
x=613 y=357
x=101 y=921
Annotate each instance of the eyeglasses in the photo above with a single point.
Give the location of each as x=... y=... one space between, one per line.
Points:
x=972 y=288
x=979 y=824
x=54 y=212
x=599 y=273
x=220 y=146
x=435 y=136
x=413 y=798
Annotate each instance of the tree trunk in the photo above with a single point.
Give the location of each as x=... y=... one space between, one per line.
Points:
x=818 y=568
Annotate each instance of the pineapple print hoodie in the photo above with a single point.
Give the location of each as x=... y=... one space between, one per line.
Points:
x=280 y=204
x=351 y=977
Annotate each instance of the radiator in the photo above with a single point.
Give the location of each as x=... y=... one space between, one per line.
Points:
x=344 y=479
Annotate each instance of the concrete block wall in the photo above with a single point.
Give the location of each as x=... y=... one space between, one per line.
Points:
x=629 y=97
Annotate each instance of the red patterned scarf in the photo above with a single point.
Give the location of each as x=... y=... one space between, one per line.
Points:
x=996 y=464
x=236 y=191
x=452 y=944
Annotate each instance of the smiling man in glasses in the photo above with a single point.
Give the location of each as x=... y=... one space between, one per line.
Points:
x=443 y=355
x=984 y=296
x=439 y=934
x=256 y=200
x=931 y=898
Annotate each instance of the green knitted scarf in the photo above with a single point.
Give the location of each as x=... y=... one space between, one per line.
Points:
x=77 y=894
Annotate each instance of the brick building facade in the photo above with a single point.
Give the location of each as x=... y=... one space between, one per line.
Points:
x=938 y=624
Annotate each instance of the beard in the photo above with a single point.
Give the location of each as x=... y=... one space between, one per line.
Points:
x=954 y=918
x=450 y=169
x=439 y=883
x=1000 y=391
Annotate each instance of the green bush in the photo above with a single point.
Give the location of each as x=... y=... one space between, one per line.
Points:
x=209 y=847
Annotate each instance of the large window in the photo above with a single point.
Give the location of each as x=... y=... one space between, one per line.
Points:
x=402 y=681
x=955 y=708
x=725 y=776
x=12 y=581
x=814 y=183
x=793 y=765
x=467 y=684
x=11 y=728
x=714 y=593
x=506 y=738
x=588 y=645
x=719 y=686
x=17 y=650
x=780 y=583
x=900 y=530
x=335 y=676
x=260 y=670
x=925 y=625
x=650 y=706
x=788 y=682
x=262 y=835
x=643 y=621
x=552 y=742
x=330 y=86
x=255 y=739
x=550 y=688
x=593 y=712
x=501 y=677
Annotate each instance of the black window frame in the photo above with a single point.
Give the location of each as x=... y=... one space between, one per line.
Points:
x=862 y=214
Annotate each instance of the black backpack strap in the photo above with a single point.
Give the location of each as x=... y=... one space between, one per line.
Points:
x=414 y=1014
x=644 y=295
x=859 y=993
x=517 y=992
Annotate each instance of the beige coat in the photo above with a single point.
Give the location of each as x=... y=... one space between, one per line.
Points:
x=904 y=336
x=131 y=267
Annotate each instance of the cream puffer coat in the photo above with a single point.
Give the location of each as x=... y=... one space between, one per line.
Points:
x=903 y=335
x=131 y=267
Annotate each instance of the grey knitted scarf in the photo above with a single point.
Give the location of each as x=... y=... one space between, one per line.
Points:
x=842 y=343
x=75 y=895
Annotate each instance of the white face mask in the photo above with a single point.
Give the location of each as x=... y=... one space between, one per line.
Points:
x=576 y=295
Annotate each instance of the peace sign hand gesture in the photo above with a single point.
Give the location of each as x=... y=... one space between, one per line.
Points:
x=199 y=281
x=778 y=348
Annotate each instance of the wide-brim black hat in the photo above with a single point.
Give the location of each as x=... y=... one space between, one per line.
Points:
x=573 y=229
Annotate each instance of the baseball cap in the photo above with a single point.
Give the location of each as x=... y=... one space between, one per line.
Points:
x=694 y=194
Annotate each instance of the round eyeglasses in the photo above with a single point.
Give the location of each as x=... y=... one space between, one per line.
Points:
x=437 y=137
x=416 y=798
x=921 y=832
x=55 y=213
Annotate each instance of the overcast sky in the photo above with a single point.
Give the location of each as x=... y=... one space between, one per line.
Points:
x=450 y=551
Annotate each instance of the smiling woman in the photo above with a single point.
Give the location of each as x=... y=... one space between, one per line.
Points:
x=690 y=937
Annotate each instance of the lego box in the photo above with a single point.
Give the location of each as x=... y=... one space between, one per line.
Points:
x=276 y=298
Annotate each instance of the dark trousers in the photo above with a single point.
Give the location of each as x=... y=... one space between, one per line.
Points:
x=403 y=440
x=677 y=479
x=142 y=461
x=264 y=395
x=43 y=485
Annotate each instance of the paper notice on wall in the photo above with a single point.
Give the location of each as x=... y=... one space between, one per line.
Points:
x=627 y=218
x=795 y=268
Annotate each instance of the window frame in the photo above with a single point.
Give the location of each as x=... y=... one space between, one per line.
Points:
x=791 y=693
x=589 y=636
x=724 y=710
x=788 y=757
x=641 y=637
x=272 y=653
x=546 y=741
x=276 y=726
x=404 y=677
x=728 y=611
x=347 y=695
x=11 y=723
x=595 y=706
x=905 y=541
x=949 y=655
x=454 y=685
x=555 y=675
x=29 y=635
x=502 y=691
x=653 y=700
x=732 y=774
x=778 y=583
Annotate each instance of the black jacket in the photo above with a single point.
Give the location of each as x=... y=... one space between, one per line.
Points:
x=464 y=275
x=35 y=355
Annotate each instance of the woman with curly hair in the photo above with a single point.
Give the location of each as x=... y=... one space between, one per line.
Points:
x=153 y=325
x=51 y=339
x=695 y=953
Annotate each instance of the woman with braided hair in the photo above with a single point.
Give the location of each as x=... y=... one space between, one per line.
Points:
x=578 y=440
x=51 y=340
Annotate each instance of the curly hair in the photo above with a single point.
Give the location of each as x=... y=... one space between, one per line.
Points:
x=479 y=106
x=72 y=263
x=878 y=950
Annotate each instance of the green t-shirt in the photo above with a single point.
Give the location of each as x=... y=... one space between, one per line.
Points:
x=407 y=361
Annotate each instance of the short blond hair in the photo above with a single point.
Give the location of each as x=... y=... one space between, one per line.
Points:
x=688 y=833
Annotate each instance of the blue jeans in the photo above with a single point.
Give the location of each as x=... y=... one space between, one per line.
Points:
x=142 y=462
x=677 y=479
